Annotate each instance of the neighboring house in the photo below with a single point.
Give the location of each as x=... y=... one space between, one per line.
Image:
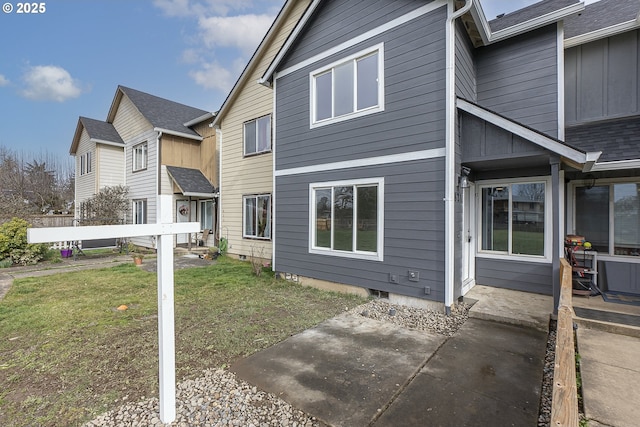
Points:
x=153 y=146
x=419 y=150
x=244 y=125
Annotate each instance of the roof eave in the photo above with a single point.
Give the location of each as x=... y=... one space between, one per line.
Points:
x=532 y=24
x=200 y=119
x=616 y=165
x=176 y=133
x=602 y=33
x=105 y=142
x=75 y=142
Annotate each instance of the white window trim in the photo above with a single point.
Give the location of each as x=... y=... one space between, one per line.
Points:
x=548 y=223
x=144 y=204
x=377 y=256
x=571 y=216
x=379 y=48
x=244 y=215
x=202 y=212
x=244 y=136
x=144 y=147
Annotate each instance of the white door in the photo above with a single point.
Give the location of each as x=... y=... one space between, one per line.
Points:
x=185 y=211
x=468 y=238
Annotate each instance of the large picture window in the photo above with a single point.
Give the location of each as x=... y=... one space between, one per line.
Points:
x=349 y=88
x=608 y=216
x=140 y=157
x=347 y=218
x=257 y=216
x=257 y=136
x=513 y=219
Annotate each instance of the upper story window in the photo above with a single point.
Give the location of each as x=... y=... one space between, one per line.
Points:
x=347 y=218
x=608 y=216
x=85 y=163
x=257 y=136
x=351 y=87
x=515 y=219
x=140 y=157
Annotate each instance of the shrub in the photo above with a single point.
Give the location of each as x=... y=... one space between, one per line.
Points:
x=13 y=243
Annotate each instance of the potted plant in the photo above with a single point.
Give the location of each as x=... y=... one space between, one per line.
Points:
x=137 y=258
x=66 y=252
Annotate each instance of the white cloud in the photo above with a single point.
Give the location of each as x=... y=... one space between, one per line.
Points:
x=218 y=77
x=50 y=83
x=3 y=80
x=243 y=31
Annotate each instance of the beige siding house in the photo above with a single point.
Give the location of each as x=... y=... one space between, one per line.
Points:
x=246 y=155
x=153 y=146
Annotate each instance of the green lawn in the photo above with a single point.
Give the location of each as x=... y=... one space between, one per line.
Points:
x=343 y=239
x=67 y=353
x=524 y=242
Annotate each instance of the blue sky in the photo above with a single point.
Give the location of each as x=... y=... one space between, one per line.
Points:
x=68 y=61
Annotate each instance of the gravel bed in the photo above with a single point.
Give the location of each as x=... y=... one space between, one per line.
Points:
x=218 y=398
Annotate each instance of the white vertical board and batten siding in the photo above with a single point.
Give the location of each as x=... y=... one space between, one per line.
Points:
x=251 y=174
x=412 y=122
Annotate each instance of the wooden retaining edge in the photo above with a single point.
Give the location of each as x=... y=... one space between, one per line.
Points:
x=564 y=404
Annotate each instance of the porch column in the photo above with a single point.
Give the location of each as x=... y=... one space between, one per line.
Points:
x=556 y=239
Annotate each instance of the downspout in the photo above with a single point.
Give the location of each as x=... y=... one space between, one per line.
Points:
x=450 y=165
x=219 y=201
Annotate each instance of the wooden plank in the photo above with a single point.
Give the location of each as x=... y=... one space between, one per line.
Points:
x=564 y=406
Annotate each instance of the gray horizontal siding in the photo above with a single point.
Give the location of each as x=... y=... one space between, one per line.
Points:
x=414 y=231
x=413 y=118
x=340 y=21
x=517 y=275
x=601 y=79
x=465 y=65
x=518 y=78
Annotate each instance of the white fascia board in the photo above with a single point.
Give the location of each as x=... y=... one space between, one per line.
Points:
x=201 y=195
x=266 y=77
x=200 y=119
x=537 y=138
x=616 y=165
x=601 y=33
x=538 y=22
x=58 y=234
x=105 y=142
x=181 y=134
x=489 y=36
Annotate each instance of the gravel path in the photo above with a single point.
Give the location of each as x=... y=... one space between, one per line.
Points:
x=218 y=398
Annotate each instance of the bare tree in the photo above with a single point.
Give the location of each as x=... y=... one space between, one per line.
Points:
x=109 y=206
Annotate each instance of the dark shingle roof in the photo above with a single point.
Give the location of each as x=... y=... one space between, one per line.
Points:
x=98 y=129
x=601 y=14
x=163 y=113
x=191 y=181
x=528 y=13
x=617 y=139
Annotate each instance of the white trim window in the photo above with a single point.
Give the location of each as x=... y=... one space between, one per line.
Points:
x=140 y=211
x=256 y=214
x=607 y=214
x=515 y=219
x=347 y=218
x=85 y=163
x=351 y=87
x=140 y=154
x=257 y=136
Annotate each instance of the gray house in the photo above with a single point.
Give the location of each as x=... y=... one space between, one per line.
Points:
x=420 y=149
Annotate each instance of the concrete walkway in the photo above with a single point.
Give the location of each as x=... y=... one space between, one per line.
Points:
x=353 y=371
